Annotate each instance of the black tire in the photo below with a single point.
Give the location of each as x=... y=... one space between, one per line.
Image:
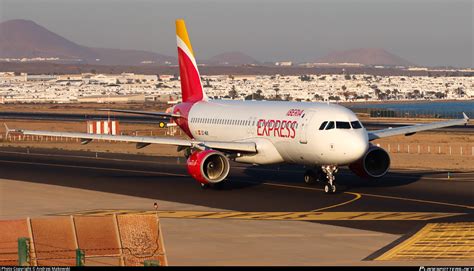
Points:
x=204 y=186
x=309 y=177
x=329 y=189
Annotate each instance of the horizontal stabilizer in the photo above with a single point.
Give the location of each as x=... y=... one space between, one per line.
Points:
x=147 y=113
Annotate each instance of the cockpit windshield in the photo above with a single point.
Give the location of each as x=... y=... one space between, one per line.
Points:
x=356 y=124
x=328 y=125
x=343 y=125
x=323 y=125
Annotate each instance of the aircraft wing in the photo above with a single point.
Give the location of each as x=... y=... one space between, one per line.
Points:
x=143 y=141
x=148 y=113
x=410 y=130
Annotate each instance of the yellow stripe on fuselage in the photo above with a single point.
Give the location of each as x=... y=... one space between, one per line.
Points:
x=182 y=33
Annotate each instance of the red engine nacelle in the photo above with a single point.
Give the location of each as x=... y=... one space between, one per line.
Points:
x=374 y=164
x=208 y=166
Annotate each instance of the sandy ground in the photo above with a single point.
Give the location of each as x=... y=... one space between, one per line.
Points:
x=431 y=150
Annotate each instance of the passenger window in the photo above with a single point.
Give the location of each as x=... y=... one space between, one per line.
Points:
x=343 y=125
x=356 y=125
x=330 y=125
x=323 y=125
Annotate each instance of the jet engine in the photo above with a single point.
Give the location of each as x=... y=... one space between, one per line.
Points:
x=208 y=166
x=374 y=164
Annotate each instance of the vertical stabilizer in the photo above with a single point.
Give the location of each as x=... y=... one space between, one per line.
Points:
x=191 y=86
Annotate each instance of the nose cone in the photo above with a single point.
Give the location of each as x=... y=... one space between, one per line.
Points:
x=356 y=146
x=353 y=147
x=345 y=147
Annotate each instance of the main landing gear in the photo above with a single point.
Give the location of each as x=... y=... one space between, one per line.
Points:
x=319 y=175
x=314 y=176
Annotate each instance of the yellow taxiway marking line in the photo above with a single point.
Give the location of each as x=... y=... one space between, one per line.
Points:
x=435 y=241
x=298 y=216
x=265 y=183
x=379 y=196
x=357 y=196
x=418 y=200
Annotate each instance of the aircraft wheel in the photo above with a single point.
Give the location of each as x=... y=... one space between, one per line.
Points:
x=329 y=188
x=309 y=177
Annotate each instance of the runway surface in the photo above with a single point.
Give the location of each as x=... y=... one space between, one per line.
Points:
x=399 y=204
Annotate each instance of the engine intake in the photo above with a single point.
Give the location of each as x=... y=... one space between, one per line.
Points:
x=374 y=164
x=208 y=166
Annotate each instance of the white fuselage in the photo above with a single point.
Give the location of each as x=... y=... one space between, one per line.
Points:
x=283 y=131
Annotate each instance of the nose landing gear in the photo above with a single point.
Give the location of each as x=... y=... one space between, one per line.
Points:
x=325 y=173
x=330 y=170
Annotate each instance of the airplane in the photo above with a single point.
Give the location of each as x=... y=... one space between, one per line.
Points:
x=321 y=136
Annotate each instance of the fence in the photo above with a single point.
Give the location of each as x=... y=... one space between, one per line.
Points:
x=111 y=240
x=435 y=149
x=411 y=113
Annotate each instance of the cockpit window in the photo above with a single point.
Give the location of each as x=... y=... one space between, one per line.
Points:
x=323 y=125
x=356 y=124
x=330 y=125
x=343 y=125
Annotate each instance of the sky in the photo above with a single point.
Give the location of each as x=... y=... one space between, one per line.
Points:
x=424 y=32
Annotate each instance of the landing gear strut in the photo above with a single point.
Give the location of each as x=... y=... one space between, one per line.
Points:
x=330 y=170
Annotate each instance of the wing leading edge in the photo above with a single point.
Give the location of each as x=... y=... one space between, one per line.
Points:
x=409 y=130
x=146 y=140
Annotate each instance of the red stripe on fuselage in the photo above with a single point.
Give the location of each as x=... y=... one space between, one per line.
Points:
x=191 y=88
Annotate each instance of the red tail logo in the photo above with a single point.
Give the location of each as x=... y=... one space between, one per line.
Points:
x=191 y=86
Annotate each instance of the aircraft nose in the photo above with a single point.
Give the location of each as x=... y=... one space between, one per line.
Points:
x=354 y=147
x=358 y=146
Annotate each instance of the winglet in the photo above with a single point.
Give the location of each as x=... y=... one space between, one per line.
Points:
x=465 y=116
x=8 y=130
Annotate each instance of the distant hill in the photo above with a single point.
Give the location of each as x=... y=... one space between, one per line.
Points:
x=26 y=39
x=231 y=59
x=366 y=56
